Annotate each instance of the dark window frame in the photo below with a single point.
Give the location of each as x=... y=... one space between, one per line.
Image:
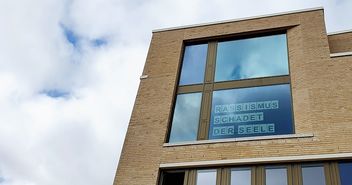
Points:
x=209 y=85
x=258 y=176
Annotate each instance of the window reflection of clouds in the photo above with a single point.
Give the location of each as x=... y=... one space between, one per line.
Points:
x=242 y=95
x=252 y=58
x=206 y=177
x=241 y=177
x=193 y=65
x=186 y=117
x=276 y=176
x=313 y=175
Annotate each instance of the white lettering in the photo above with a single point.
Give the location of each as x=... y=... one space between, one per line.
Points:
x=249 y=106
x=256 y=128
x=223 y=131
x=239 y=118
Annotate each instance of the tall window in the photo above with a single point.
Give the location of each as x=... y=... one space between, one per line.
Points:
x=233 y=88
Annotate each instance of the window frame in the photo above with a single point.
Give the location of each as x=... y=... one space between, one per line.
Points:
x=209 y=85
x=258 y=175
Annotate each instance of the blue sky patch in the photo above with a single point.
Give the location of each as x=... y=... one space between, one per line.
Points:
x=74 y=39
x=99 y=42
x=70 y=35
x=56 y=93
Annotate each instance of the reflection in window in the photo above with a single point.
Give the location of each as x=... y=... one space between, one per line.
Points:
x=313 y=175
x=275 y=176
x=253 y=111
x=193 y=64
x=345 y=169
x=251 y=58
x=240 y=176
x=206 y=177
x=186 y=117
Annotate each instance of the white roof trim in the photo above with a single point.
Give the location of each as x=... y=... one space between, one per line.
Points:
x=299 y=158
x=339 y=32
x=235 y=20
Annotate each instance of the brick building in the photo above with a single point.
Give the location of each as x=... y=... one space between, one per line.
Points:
x=262 y=100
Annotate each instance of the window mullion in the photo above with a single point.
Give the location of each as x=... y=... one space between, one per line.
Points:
x=332 y=173
x=204 y=115
x=219 y=175
x=252 y=82
x=328 y=174
x=191 y=177
x=260 y=175
x=297 y=174
x=226 y=176
x=253 y=175
x=337 y=172
x=207 y=92
x=186 y=178
x=190 y=89
x=210 y=64
x=290 y=175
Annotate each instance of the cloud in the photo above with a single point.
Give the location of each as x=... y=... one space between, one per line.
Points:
x=69 y=72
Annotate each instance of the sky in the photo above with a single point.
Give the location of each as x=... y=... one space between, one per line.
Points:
x=69 y=73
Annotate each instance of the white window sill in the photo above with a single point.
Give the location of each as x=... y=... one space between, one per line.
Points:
x=199 y=142
x=332 y=55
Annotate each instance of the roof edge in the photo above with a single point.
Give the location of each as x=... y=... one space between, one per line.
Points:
x=339 y=32
x=236 y=20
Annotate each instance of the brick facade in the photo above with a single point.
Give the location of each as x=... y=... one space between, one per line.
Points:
x=320 y=85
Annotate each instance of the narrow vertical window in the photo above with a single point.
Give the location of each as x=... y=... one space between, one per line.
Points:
x=185 y=122
x=193 y=65
x=345 y=169
x=275 y=176
x=241 y=176
x=206 y=177
x=313 y=175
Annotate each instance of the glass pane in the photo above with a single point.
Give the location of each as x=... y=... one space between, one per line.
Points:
x=206 y=177
x=251 y=58
x=186 y=117
x=173 y=178
x=276 y=176
x=345 y=173
x=193 y=64
x=253 y=111
x=313 y=175
x=240 y=176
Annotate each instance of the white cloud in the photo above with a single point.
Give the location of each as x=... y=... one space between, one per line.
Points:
x=77 y=139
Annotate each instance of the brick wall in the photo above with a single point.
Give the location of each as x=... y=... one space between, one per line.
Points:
x=340 y=42
x=321 y=90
